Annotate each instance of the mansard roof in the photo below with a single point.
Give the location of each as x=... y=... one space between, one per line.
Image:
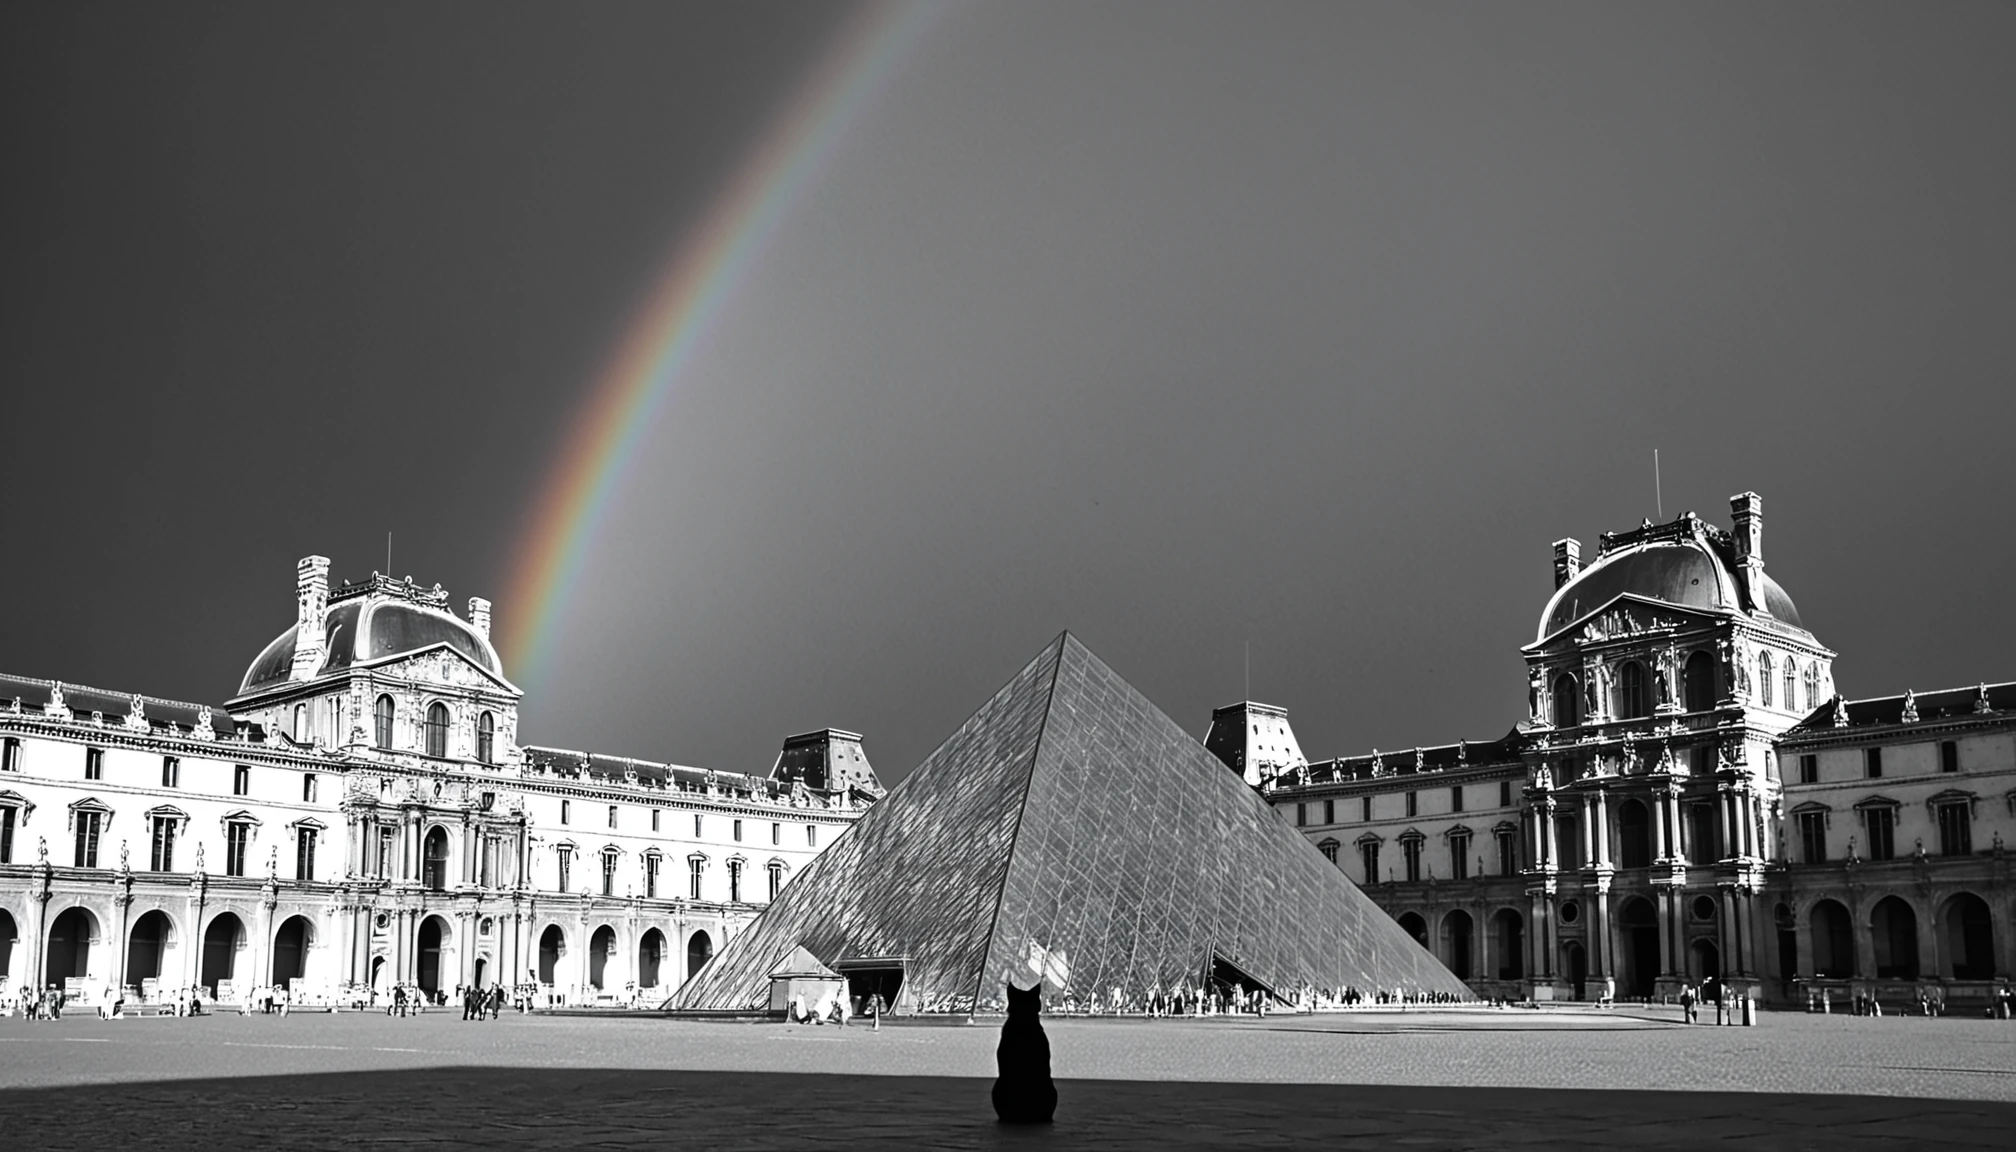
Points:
x=162 y=715
x=374 y=621
x=598 y=768
x=1410 y=761
x=1687 y=563
x=1909 y=708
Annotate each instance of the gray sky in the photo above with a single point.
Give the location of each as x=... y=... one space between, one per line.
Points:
x=1184 y=327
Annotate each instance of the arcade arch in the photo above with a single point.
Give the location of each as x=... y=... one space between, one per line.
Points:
x=437 y=953
x=222 y=941
x=1893 y=929
x=291 y=942
x=1833 y=940
x=68 y=951
x=650 y=954
x=552 y=946
x=699 y=950
x=1415 y=927
x=1456 y=933
x=1508 y=934
x=601 y=944
x=149 y=946
x=1970 y=937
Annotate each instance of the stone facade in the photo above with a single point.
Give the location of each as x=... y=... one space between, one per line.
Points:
x=361 y=814
x=1690 y=799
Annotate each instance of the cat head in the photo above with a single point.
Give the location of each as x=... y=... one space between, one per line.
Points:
x=1021 y=1001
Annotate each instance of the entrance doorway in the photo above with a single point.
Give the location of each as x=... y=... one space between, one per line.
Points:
x=69 y=947
x=1508 y=939
x=552 y=946
x=221 y=942
x=1893 y=927
x=432 y=939
x=1638 y=922
x=1575 y=963
x=881 y=976
x=1705 y=966
x=699 y=950
x=147 y=948
x=650 y=953
x=600 y=945
x=1456 y=933
x=290 y=950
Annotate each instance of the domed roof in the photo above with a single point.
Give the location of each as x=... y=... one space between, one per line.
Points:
x=1687 y=573
x=370 y=629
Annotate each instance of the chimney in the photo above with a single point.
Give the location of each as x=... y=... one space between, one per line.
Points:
x=1747 y=514
x=479 y=616
x=1567 y=560
x=311 y=602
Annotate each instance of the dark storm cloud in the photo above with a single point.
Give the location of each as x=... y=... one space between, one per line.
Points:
x=1184 y=327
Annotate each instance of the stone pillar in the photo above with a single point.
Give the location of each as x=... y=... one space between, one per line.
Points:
x=1601 y=823
x=262 y=944
x=1666 y=941
x=125 y=902
x=1589 y=836
x=468 y=851
x=1550 y=859
x=1659 y=852
x=37 y=928
x=1601 y=945
x=1865 y=942
x=466 y=932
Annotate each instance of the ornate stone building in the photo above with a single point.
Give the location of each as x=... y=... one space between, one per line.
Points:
x=1689 y=798
x=361 y=813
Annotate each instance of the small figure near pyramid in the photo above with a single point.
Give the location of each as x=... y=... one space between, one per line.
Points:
x=1024 y=1093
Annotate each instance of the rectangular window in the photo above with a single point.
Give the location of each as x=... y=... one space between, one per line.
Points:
x=308 y=787
x=1329 y=812
x=1949 y=756
x=566 y=857
x=1504 y=793
x=1701 y=758
x=237 y=845
x=171 y=772
x=566 y=811
x=738 y=831
x=811 y=835
x=164 y=844
x=1809 y=769
x=1410 y=857
x=655 y=814
x=1301 y=815
x=1813 y=837
x=1365 y=808
x=486 y=863
x=385 y=854
x=1413 y=803
x=1703 y=840
x=776 y=833
x=1880 y=824
x=1456 y=798
x=651 y=875
x=608 y=873
x=7 y=835
x=1956 y=834
x=693 y=867
x=94 y=763
x=1368 y=855
x=1872 y=763
x=776 y=881
x=241 y=780
x=87 y=839
x=612 y=815
x=304 y=854
x=696 y=826
x=1459 y=857
x=1508 y=854
x=10 y=755
x=734 y=881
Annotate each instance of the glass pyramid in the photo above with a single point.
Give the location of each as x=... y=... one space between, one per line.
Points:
x=1069 y=831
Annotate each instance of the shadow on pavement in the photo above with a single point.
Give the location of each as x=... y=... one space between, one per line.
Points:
x=615 y=1108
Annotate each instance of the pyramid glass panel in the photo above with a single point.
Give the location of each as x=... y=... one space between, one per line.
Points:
x=1071 y=832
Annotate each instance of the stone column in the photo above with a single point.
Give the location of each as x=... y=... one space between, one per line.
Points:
x=262 y=945
x=1589 y=836
x=468 y=851
x=1601 y=946
x=1865 y=942
x=1666 y=941
x=1550 y=858
x=125 y=901
x=1659 y=851
x=1601 y=823
x=466 y=925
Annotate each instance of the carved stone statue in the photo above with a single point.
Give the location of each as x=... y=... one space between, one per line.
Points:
x=1910 y=706
x=1630 y=759
x=1981 y=699
x=42 y=848
x=56 y=707
x=1840 y=711
x=1667 y=764
x=1533 y=694
x=1543 y=778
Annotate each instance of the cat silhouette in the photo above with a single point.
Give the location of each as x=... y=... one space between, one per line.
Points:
x=1024 y=1092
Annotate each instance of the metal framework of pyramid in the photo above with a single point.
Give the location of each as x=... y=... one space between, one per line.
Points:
x=1070 y=830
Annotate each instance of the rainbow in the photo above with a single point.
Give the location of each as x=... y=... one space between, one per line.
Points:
x=695 y=290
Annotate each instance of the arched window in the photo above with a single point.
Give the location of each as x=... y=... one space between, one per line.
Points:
x=300 y=723
x=486 y=738
x=1567 y=714
x=1812 y=674
x=1699 y=676
x=1631 y=701
x=437 y=729
x=1764 y=679
x=1791 y=684
x=434 y=859
x=382 y=714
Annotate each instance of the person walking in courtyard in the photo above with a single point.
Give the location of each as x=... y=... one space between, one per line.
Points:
x=1687 y=1003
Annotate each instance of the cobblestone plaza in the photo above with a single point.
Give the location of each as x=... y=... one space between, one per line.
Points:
x=1457 y=1079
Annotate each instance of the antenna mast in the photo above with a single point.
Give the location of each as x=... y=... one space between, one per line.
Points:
x=1658 y=492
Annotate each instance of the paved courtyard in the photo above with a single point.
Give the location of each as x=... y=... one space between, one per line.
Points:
x=1469 y=1079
